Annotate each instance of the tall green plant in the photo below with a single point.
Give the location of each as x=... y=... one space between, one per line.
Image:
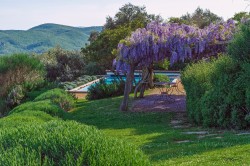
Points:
x=239 y=48
x=19 y=70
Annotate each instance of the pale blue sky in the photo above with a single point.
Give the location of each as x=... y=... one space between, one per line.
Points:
x=24 y=14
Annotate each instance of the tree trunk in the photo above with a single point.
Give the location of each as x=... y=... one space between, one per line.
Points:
x=151 y=77
x=128 y=87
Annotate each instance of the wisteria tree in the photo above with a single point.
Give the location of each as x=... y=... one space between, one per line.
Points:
x=175 y=42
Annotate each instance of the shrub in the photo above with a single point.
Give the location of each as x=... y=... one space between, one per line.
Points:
x=62 y=65
x=102 y=89
x=64 y=143
x=196 y=80
x=222 y=102
x=45 y=106
x=163 y=65
x=239 y=48
x=161 y=78
x=58 y=97
x=92 y=68
x=31 y=95
x=3 y=108
x=25 y=118
x=15 y=96
x=218 y=91
x=19 y=69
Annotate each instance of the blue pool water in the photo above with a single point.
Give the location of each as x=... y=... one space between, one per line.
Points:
x=110 y=78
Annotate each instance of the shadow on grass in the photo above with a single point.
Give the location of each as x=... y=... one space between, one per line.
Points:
x=150 y=131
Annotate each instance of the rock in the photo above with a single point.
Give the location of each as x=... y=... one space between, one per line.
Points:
x=196 y=132
x=183 y=141
x=246 y=133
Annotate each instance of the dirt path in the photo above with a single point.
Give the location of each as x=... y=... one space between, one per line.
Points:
x=155 y=102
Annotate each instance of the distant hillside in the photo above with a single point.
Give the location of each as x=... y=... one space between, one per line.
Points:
x=43 y=37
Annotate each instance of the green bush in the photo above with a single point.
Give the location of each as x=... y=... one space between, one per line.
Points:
x=19 y=69
x=15 y=96
x=196 y=80
x=45 y=106
x=162 y=65
x=93 y=68
x=3 y=107
x=161 y=78
x=102 y=90
x=218 y=93
x=223 y=101
x=215 y=94
x=62 y=65
x=25 y=118
x=239 y=48
x=19 y=74
x=30 y=96
x=58 y=97
x=64 y=143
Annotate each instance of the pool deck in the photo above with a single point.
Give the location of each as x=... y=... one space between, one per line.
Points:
x=80 y=94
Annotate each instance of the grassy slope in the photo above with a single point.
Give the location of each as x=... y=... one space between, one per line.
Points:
x=40 y=38
x=153 y=134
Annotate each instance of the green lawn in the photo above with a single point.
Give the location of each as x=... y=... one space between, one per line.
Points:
x=153 y=133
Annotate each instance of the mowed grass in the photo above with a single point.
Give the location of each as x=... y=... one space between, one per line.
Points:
x=153 y=133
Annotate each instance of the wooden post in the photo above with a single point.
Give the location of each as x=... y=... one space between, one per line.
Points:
x=128 y=88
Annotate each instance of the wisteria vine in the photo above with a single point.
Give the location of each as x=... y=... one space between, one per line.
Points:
x=176 y=42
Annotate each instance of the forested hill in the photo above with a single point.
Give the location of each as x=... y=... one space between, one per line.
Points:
x=43 y=37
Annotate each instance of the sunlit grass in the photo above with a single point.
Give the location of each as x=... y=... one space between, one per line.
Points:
x=153 y=133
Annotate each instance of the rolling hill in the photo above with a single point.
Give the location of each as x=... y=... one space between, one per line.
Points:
x=43 y=37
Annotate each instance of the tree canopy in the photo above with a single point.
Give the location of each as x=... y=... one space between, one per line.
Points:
x=200 y=18
x=126 y=20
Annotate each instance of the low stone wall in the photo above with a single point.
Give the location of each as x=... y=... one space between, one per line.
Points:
x=79 y=95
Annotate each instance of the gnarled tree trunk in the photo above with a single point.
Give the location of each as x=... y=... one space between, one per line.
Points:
x=128 y=88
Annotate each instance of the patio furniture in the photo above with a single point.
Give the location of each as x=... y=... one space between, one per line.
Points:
x=165 y=90
x=175 y=86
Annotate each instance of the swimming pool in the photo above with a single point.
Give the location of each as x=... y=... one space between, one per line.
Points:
x=110 y=77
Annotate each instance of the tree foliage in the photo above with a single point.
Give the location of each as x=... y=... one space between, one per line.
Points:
x=129 y=13
x=241 y=15
x=126 y=20
x=200 y=18
x=62 y=65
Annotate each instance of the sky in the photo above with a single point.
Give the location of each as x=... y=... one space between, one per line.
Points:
x=24 y=14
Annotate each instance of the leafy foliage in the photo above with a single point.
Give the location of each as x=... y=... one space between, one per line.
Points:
x=240 y=16
x=103 y=89
x=219 y=95
x=196 y=80
x=58 y=97
x=62 y=65
x=15 y=96
x=200 y=18
x=126 y=20
x=239 y=48
x=46 y=106
x=161 y=78
x=130 y=13
x=162 y=65
x=19 y=74
x=64 y=143
x=30 y=136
